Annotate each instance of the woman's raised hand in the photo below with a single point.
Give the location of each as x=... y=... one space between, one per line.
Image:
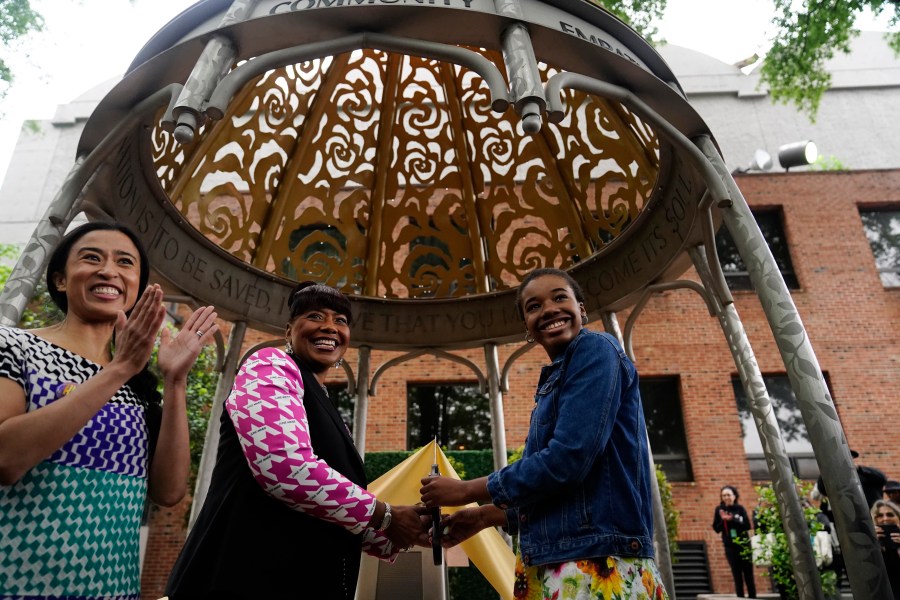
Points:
x=136 y=334
x=177 y=354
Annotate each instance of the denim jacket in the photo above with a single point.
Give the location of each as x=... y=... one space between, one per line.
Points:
x=582 y=487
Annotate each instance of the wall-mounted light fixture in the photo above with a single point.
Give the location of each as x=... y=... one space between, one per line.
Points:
x=797 y=154
x=761 y=161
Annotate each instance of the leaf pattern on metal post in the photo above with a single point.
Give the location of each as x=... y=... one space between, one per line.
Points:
x=854 y=524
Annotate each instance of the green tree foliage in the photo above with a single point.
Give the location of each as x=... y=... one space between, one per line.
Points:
x=640 y=14
x=828 y=163
x=768 y=520
x=17 y=20
x=41 y=311
x=673 y=516
x=807 y=35
x=8 y=255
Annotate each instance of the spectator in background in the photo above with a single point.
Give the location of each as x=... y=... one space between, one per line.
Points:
x=891 y=491
x=886 y=515
x=872 y=482
x=871 y=479
x=730 y=519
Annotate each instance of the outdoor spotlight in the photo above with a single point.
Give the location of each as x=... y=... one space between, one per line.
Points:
x=797 y=154
x=762 y=161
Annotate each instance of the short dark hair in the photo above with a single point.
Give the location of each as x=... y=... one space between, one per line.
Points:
x=309 y=295
x=733 y=491
x=542 y=272
x=57 y=263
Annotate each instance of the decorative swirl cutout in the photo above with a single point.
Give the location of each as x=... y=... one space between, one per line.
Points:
x=321 y=170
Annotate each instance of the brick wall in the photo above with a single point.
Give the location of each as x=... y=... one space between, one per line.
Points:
x=850 y=318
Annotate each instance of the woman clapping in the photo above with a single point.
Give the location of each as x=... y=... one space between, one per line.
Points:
x=83 y=432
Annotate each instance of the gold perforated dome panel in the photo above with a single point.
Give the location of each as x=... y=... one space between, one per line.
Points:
x=389 y=175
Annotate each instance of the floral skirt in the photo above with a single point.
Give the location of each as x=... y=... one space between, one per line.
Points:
x=603 y=578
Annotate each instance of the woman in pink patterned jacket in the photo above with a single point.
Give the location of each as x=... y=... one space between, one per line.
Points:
x=287 y=510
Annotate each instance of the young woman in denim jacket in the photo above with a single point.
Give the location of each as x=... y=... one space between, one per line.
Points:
x=579 y=499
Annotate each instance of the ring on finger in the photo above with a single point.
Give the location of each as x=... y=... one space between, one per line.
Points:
x=199 y=333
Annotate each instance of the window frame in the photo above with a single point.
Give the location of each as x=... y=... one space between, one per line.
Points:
x=739 y=280
x=438 y=429
x=869 y=209
x=803 y=462
x=671 y=461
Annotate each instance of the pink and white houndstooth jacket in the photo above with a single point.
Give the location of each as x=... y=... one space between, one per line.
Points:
x=266 y=407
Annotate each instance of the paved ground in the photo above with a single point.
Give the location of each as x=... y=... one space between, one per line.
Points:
x=845 y=596
x=731 y=596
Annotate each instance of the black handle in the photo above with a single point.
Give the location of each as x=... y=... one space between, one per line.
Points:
x=436 y=550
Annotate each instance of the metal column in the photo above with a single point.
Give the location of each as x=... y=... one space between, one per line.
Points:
x=498 y=428
x=211 y=442
x=526 y=88
x=660 y=533
x=809 y=584
x=31 y=264
x=856 y=532
x=360 y=414
x=212 y=65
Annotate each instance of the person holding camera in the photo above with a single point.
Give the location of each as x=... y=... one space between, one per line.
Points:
x=730 y=519
x=886 y=515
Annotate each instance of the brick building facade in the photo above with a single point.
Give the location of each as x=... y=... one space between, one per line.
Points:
x=851 y=318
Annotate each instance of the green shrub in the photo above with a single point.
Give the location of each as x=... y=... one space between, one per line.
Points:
x=673 y=516
x=768 y=520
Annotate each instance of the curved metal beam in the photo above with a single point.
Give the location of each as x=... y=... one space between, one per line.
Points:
x=504 y=373
x=482 y=380
x=238 y=77
x=717 y=283
x=393 y=362
x=645 y=297
x=351 y=378
x=856 y=531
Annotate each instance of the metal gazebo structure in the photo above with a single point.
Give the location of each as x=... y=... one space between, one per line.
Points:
x=423 y=156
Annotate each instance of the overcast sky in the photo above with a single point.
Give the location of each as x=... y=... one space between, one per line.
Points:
x=87 y=42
